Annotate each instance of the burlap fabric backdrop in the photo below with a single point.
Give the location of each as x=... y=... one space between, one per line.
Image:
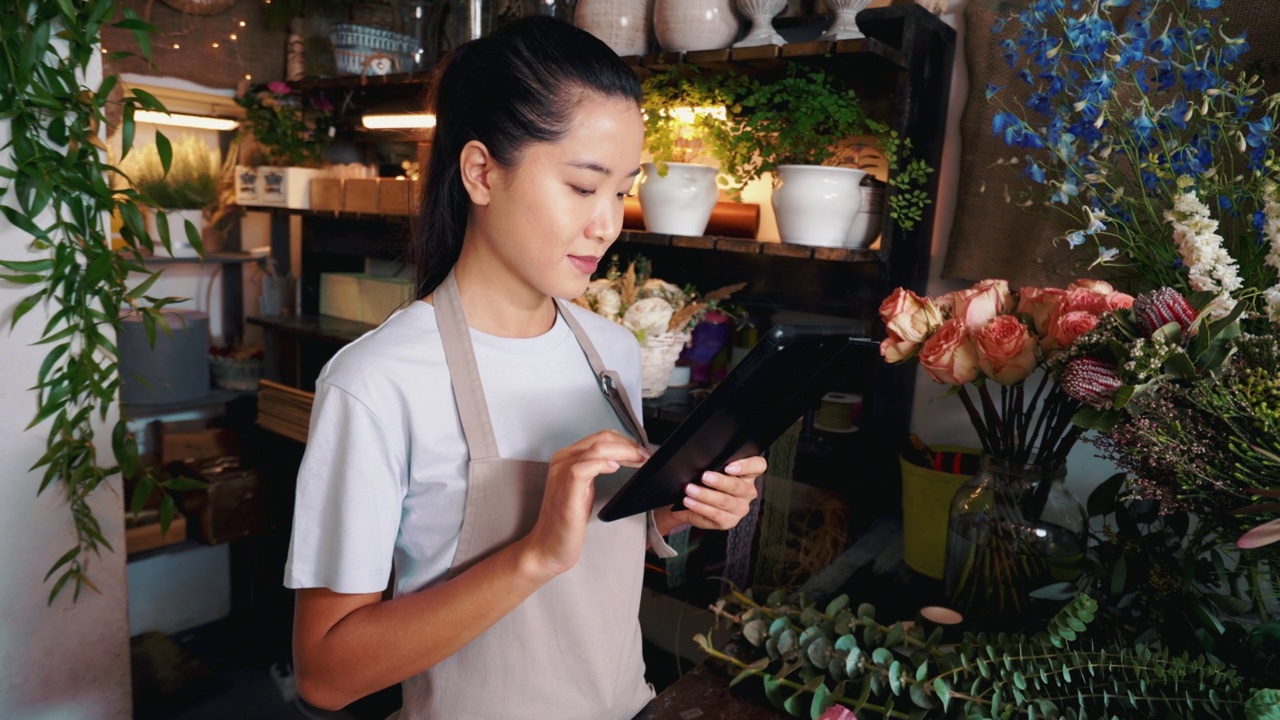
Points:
x=992 y=237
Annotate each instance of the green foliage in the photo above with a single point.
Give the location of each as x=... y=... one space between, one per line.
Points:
x=190 y=182
x=795 y=119
x=290 y=132
x=905 y=670
x=681 y=115
x=56 y=190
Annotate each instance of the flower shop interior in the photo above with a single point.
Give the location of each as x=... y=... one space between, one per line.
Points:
x=1041 y=478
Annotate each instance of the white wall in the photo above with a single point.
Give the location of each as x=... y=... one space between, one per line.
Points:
x=69 y=660
x=938 y=420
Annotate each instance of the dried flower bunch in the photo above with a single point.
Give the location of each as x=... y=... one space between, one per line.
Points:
x=646 y=305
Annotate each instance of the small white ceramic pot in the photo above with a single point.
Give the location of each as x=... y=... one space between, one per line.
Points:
x=680 y=203
x=816 y=204
x=866 y=226
x=844 y=26
x=688 y=25
x=760 y=14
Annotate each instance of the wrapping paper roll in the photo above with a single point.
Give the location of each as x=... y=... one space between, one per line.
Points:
x=728 y=219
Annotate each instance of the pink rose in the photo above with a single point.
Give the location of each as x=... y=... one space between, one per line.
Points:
x=894 y=349
x=1118 y=301
x=1066 y=327
x=1006 y=350
x=279 y=87
x=978 y=305
x=837 y=712
x=1102 y=287
x=950 y=356
x=916 y=326
x=1040 y=304
x=899 y=301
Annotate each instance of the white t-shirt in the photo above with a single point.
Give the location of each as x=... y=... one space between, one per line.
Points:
x=385 y=469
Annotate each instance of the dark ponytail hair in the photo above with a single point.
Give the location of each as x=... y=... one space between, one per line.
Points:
x=518 y=86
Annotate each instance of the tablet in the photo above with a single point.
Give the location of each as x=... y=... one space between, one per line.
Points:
x=782 y=377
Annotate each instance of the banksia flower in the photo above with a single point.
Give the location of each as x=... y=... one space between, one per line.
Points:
x=1158 y=308
x=1092 y=382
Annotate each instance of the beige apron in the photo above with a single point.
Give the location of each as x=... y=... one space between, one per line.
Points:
x=572 y=650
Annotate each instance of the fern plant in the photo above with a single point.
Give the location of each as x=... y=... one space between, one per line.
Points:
x=815 y=658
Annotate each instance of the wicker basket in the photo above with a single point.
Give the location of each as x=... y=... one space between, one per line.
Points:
x=368 y=62
x=658 y=355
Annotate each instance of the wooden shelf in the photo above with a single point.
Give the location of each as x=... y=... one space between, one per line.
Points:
x=206 y=406
x=218 y=258
x=868 y=47
x=315 y=326
x=753 y=247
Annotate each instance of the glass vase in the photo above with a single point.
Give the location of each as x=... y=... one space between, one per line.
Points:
x=1012 y=529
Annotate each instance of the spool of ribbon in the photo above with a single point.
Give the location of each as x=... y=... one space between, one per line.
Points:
x=838 y=413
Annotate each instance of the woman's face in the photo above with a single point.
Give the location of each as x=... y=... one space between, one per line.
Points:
x=551 y=218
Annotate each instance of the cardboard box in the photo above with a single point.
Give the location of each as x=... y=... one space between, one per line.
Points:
x=340 y=295
x=360 y=195
x=393 y=196
x=326 y=194
x=381 y=296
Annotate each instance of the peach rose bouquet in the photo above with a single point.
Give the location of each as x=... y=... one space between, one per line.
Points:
x=989 y=335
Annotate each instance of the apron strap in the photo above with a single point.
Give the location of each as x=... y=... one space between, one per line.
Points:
x=460 y=357
x=597 y=366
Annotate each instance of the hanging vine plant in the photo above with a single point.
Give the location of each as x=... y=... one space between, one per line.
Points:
x=56 y=188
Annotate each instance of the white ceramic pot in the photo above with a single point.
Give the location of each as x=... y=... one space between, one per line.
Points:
x=286 y=186
x=680 y=203
x=815 y=204
x=624 y=25
x=866 y=226
x=688 y=25
x=760 y=14
x=844 y=27
x=176 y=222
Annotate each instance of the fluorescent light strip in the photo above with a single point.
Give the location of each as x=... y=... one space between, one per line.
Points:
x=200 y=122
x=403 y=121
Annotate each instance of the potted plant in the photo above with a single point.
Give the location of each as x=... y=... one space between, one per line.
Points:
x=684 y=117
x=790 y=126
x=179 y=195
x=292 y=135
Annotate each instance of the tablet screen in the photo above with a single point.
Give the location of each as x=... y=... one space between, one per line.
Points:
x=782 y=377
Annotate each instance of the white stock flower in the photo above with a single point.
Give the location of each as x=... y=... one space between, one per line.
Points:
x=648 y=317
x=1272 y=298
x=1210 y=268
x=653 y=287
x=1271 y=232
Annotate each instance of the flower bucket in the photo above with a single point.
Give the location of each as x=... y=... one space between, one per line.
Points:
x=926 y=504
x=658 y=355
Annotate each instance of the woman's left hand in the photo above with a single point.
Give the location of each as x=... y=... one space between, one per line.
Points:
x=720 y=502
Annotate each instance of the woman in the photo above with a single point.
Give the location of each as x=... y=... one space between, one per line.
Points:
x=434 y=438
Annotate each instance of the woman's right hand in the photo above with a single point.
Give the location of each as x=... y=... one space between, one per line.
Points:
x=556 y=539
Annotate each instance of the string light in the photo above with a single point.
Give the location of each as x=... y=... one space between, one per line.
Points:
x=215 y=44
x=248 y=77
x=233 y=36
x=176 y=46
x=241 y=23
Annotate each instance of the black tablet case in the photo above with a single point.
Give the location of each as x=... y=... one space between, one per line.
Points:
x=786 y=373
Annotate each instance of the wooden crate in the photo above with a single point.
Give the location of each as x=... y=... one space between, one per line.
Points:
x=393 y=196
x=326 y=194
x=197 y=445
x=230 y=507
x=360 y=195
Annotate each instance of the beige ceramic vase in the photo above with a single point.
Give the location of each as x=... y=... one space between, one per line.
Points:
x=688 y=25
x=624 y=25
